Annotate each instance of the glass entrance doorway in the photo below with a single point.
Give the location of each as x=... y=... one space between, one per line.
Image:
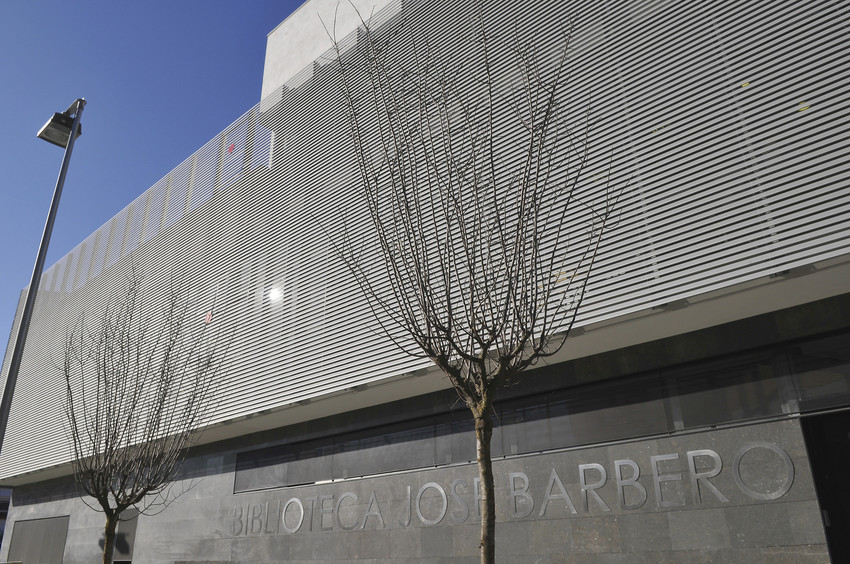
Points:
x=828 y=442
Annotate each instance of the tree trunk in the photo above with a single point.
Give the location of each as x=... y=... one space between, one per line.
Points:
x=109 y=537
x=483 y=434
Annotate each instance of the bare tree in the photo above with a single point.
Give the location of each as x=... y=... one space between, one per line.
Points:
x=138 y=386
x=486 y=222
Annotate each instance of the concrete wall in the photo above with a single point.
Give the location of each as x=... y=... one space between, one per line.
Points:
x=305 y=36
x=742 y=501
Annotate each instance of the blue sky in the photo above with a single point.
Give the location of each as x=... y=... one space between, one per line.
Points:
x=161 y=78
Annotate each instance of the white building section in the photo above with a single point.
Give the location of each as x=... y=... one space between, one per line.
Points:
x=307 y=35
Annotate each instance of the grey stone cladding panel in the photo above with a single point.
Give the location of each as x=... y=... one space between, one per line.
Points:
x=731 y=495
x=742 y=494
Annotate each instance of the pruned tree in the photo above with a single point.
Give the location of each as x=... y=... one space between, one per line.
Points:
x=486 y=222
x=140 y=382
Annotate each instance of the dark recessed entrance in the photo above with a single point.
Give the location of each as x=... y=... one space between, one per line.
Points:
x=828 y=442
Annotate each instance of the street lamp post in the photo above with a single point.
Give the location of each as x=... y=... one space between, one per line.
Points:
x=62 y=130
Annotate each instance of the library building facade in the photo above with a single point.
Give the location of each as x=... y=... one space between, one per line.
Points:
x=699 y=410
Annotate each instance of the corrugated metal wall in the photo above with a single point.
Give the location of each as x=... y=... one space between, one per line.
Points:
x=730 y=119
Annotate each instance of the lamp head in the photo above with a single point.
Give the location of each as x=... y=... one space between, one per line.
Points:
x=58 y=129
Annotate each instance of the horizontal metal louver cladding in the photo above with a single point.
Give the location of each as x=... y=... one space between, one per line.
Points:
x=727 y=121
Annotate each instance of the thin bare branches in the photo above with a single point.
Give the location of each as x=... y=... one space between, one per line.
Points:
x=139 y=385
x=482 y=234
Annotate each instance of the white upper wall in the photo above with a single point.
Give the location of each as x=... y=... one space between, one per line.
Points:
x=301 y=38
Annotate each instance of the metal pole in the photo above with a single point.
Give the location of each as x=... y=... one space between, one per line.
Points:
x=32 y=290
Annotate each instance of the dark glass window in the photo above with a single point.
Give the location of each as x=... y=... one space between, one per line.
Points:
x=728 y=390
x=284 y=465
x=388 y=449
x=822 y=372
